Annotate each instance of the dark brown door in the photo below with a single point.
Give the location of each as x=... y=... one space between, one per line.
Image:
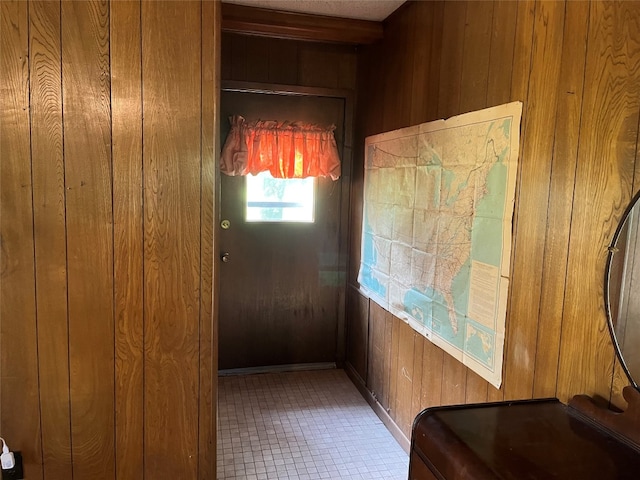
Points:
x=281 y=285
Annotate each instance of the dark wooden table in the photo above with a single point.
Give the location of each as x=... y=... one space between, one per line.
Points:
x=534 y=439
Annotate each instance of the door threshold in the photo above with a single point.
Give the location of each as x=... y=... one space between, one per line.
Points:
x=292 y=367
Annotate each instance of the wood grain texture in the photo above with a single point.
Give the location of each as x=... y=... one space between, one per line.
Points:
x=503 y=31
x=398 y=54
x=563 y=167
x=394 y=326
x=455 y=14
x=404 y=378
x=388 y=362
x=608 y=132
x=172 y=158
x=454 y=381
x=87 y=150
x=432 y=367
x=126 y=127
x=318 y=65
x=279 y=61
x=474 y=85
x=426 y=61
x=535 y=177
x=289 y=25
x=50 y=247
x=476 y=56
x=358 y=332
x=19 y=409
x=257 y=58
x=72 y=332
x=207 y=415
x=449 y=97
x=283 y=55
x=416 y=379
x=499 y=91
x=375 y=371
x=575 y=67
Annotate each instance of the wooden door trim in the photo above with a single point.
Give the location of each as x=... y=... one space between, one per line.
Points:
x=280 y=89
x=299 y=26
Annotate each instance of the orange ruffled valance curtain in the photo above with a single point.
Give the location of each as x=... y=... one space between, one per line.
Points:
x=287 y=150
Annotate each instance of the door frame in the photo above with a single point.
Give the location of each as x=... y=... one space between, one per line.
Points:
x=345 y=202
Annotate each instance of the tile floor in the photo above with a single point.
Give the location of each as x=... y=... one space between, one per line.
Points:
x=302 y=426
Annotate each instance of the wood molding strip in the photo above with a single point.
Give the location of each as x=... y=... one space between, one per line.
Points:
x=298 y=26
x=379 y=410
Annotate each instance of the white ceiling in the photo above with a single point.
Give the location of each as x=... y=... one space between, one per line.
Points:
x=375 y=10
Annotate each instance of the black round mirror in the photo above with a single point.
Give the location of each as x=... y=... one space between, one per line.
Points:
x=622 y=283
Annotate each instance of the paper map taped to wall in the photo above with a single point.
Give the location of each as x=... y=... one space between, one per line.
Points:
x=436 y=237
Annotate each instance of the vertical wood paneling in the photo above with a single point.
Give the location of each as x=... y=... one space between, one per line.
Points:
x=394 y=326
x=171 y=73
x=608 y=133
x=283 y=61
x=474 y=82
x=563 y=167
x=404 y=377
x=499 y=90
x=398 y=54
x=357 y=332
x=388 y=362
x=476 y=56
x=454 y=381
x=432 y=367
x=87 y=153
x=347 y=80
x=453 y=30
x=518 y=92
x=426 y=61
x=208 y=241
x=327 y=66
x=239 y=58
x=575 y=67
x=50 y=248
x=503 y=32
x=72 y=335
x=535 y=177
x=19 y=412
x=416 y=379
x=375 y=372
x=256 y=58
x=454 y=373
x=279 y=61
x=126 y=108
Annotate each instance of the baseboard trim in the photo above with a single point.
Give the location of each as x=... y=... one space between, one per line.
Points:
x=293 y=367
x=380 y=411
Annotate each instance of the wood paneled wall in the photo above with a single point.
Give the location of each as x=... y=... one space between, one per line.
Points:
x=264 y=60
x=108 y=139
x=576 y=67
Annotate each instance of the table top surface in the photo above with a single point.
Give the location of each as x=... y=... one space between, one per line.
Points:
x=521 y=440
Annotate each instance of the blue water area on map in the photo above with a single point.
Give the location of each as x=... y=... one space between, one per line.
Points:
x=429 y=309
x=476 y=347
x=486 y=237
x=460 y=288
x=369 y=257
x=506 y=127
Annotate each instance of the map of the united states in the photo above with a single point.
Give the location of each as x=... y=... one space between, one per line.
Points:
x=436 y=229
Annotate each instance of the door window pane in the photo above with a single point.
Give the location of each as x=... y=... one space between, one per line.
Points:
x=279 y=199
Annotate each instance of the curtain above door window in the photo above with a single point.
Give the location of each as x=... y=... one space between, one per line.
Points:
x=285 y=149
